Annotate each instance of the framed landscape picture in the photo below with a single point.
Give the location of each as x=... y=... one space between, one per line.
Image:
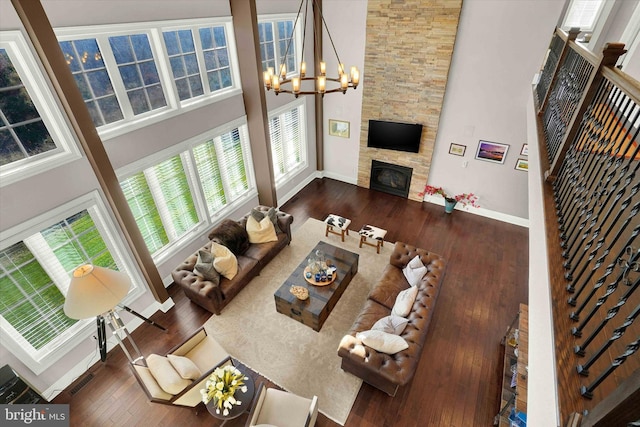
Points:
x=492 y=151
x=457 y=149
x=525 y=150
x=339 y=128
x=522 y=165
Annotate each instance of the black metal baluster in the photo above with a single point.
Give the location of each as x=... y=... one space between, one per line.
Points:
x=617 y=333
x=630 y=350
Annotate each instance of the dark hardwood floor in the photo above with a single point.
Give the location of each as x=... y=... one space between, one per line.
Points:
x=458 y=378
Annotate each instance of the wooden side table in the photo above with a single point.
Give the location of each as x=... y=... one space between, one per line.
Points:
x=236 y=410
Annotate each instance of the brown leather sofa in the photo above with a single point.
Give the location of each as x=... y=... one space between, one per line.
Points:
x=214 y=297
x=389 y=371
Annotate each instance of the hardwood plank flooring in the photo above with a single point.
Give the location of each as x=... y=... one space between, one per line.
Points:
x=458 y=378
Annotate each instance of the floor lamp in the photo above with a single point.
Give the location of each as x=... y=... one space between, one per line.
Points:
x=97 y=291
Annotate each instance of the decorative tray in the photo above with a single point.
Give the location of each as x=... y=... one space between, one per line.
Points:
x=313 y=281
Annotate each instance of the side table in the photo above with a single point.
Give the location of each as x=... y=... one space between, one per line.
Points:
x=236 y=410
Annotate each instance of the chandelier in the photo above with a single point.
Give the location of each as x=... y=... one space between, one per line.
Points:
x=294 y=84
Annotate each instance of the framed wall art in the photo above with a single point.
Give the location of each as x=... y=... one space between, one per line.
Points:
x=492 y=151
x=457 y=149
x=525 y=150
x=522 y=165
x=338 y=128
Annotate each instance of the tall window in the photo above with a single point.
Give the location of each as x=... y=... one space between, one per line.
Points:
x=274 y=37
x=583 y=14
x=33 y=132
x=181 y=50
x=288 y=141
x=161 y=201
x=216 y=57
x=34 y=276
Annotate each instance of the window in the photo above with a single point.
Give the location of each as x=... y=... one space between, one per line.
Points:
x=169 y=198
x=35 y=272
x=583 y=14
x=161 y=201
x=288 y=140
x=274 y=35
x=91 y=76
x=34 y=136
x=135 y=74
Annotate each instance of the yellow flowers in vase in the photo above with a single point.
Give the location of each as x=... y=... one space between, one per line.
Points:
x=221 y=388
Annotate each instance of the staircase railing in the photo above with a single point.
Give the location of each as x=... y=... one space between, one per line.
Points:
x=589 y=118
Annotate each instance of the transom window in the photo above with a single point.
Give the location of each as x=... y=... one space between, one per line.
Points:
x=288 y=140
x=121 y=74
x=583 y=14
x=274 y=35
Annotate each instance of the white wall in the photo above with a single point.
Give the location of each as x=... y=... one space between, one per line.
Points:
x=349 y=36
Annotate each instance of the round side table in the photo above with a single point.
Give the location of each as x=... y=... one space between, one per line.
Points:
x=236 y=410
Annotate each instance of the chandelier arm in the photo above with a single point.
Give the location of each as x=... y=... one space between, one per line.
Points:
x=304 y=28
x=335 y=51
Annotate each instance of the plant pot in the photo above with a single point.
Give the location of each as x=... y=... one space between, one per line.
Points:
x=449 y=204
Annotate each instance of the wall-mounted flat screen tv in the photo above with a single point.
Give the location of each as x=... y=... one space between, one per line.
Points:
x=394 y=136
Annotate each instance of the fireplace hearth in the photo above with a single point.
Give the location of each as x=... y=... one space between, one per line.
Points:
x=390 y=178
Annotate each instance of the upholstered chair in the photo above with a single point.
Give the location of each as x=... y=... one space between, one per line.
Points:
x=282 y=409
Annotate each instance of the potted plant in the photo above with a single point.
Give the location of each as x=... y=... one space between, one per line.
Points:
x=450 y=201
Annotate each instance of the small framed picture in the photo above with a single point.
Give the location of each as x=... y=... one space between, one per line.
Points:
x=338 y=128
x=457 y=149
x=492 y=151
x=522 y=165
x=525 y=150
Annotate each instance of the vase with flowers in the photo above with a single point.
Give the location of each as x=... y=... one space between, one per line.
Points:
x=450 y=201
x=221 y=387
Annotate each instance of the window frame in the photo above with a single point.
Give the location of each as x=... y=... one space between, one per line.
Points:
x=274 y=19
x=154 y=31
x=302 y=106
x=185 y=150
x=49 y=109
x=39 y=361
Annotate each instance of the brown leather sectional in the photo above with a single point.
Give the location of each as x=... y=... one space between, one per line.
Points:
x=214 y=297
x=387 y=372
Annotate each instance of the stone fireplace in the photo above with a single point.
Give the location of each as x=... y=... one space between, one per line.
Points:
x=390 y=178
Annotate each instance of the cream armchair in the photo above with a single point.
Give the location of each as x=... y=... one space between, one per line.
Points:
x=176 y=379
x=282 y=409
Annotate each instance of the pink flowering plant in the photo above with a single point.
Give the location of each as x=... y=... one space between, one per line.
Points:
x=464 y=199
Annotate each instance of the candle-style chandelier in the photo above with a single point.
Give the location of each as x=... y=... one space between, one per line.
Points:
x=294 y=84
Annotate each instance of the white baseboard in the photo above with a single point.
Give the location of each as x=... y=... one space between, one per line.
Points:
x=499 y=216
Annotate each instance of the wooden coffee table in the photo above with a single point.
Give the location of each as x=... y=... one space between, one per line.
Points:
x=314 y=311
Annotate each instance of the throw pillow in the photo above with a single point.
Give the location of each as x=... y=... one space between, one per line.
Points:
x=391 y=324
x=382 y=341
x=225 y=262
x=232 y=235
x=272 y=213
x=414 y=271
x=404 y=302
x=261 y=231
x=185 y=367
x=167 y=377
x=204 y=267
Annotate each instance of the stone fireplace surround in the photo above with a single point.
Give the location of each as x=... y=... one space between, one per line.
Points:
x=416 y=37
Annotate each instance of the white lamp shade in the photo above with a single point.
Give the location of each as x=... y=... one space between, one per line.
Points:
x=94 y=290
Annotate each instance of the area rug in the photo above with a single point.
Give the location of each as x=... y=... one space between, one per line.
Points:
x=287 y=352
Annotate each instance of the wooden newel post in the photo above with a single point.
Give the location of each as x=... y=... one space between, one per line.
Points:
x=610 y=54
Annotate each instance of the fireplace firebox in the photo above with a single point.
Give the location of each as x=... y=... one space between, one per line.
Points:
x=390 y=178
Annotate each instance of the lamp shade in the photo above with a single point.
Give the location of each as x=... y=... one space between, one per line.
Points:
x=94 y=290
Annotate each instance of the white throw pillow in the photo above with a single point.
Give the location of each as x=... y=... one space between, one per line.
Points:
x=167 y=377
x=185 y=367
x=382 y=341
x=225 y=262
x=414 y=271
x=404 y=302
x=391 y=324
x=261 y=231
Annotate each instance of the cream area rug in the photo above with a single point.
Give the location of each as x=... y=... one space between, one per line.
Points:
x=287 y=352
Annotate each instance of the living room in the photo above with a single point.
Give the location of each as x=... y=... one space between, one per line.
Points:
x=488 y=104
